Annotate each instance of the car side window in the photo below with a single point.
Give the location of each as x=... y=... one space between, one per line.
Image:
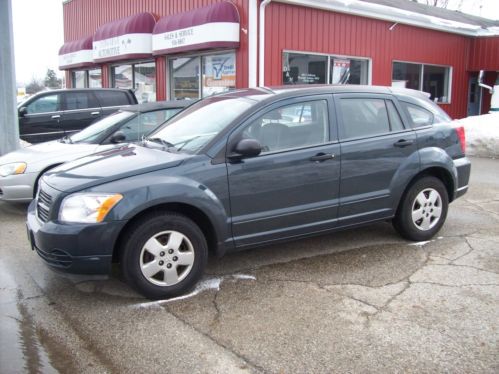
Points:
x=145 y=123
x=112 y=98
x=44 y=104
x=291 y=126
x=364 y=117
x=79 y=100
x=396 y=123
x=419 y=116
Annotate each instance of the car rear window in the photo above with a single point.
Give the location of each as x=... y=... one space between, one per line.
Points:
x=419 y=116
x=112 y=98
x=80 y=100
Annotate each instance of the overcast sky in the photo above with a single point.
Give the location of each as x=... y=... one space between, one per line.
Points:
x=38 y=32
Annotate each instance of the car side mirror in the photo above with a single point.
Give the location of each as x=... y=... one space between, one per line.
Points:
x=23 y=111
x=118 y=137
x=246 y=148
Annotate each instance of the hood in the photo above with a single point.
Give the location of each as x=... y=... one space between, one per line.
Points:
x=110 y=165
x=49 y=151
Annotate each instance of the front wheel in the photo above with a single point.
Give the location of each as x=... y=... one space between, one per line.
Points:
x=164 y=255
x=423 y=210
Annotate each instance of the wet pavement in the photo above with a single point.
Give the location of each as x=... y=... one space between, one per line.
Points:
x=362 y=300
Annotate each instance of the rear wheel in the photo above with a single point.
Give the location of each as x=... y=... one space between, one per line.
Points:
x=164 y=255
x=423 y=210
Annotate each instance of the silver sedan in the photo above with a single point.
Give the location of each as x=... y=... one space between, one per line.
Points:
x=20 y=170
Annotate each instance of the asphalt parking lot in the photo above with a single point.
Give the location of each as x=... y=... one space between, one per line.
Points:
x=357 y=301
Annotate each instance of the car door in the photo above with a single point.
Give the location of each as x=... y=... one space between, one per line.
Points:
x=291 y=188
x=378 y=156
x=39 y=119
x=81 y=108
x=111 y=100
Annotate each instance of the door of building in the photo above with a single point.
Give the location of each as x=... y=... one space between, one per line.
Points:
x=474 y=95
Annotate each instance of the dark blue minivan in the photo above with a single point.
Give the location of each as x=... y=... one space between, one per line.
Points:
x=249 y=168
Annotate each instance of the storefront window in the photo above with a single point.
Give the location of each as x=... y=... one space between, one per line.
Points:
x=185 y=78
x=79 y=79
x=139 y=77
x=145 y=82
x=428 y=78
x=218 y=75
x=95 y=78
x=122 y=76
x=302 y=68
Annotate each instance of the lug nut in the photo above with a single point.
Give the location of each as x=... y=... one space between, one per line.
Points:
x=169 y=266
x=175 y=258
x=162 y=254
x=161 y=263
x=170 y=251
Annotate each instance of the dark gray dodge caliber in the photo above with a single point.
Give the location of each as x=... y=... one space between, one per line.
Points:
x=248 y=168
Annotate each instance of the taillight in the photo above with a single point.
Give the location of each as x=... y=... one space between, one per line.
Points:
x=462 y=138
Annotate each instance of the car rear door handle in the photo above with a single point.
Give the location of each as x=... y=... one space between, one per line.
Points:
x=322 y=157
x=94 y=113
x=55 y=116
x=403 y=143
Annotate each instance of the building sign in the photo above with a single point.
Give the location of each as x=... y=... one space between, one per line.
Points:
x=128 y=45
x=209 y=35
x=74 y=59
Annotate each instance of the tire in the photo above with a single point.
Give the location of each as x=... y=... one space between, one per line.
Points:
x=163 y=255
x=415 y=220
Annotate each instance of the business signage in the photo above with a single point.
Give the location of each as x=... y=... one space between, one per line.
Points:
x=208 y=35
x=122 y=46
x=80 y=58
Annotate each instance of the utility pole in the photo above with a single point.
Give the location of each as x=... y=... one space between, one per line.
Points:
x=9 y=128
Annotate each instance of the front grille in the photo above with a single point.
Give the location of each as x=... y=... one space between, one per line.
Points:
x=43 y=205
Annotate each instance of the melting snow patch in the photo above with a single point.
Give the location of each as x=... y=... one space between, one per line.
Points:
x=204 y=285
x=420 y=244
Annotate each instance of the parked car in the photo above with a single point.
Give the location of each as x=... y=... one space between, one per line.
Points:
x=53 y=114
x=228 y=174
x=20 y=170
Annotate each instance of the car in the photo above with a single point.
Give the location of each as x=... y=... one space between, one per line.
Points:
x=20 y=170
x=228 y=173
x=50 y=115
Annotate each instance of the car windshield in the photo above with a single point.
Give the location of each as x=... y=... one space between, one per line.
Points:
x=92 y=132
x=197 y=125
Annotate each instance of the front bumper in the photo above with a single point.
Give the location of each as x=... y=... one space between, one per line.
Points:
x=73 y=248
x=463 y=167
x=17 y=188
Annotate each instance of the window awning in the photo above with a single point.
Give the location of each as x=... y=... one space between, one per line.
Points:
x=76 y=54
x=124 y=39
x=212 y=26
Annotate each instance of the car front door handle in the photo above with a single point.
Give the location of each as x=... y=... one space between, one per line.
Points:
x=322 y=157
x=55 y=116
x=94 y=113
x=403 y=143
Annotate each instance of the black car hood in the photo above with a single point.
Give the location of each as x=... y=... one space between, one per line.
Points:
x=110 y=165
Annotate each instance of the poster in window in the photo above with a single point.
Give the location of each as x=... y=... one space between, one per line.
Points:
x=341 y=71
x=219 y=73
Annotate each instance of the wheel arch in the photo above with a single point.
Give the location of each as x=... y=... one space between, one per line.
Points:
x=438 y=172
x=190 y=211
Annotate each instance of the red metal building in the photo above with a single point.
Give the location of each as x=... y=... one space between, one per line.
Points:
x=194 y=48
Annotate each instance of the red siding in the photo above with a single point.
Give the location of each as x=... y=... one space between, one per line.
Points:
x=312 y=30
x=484 y=54
x=83 y=17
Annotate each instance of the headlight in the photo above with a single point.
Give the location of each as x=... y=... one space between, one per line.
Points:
x=87 y=207
x=12 y=169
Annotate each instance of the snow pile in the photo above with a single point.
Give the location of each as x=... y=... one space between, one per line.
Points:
x=482 y=134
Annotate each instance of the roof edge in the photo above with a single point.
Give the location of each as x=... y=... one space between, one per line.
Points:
x=386 y=13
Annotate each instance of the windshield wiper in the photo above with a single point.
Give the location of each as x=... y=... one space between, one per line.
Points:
x=185 y=142
x=168 y=145
x=66 y=139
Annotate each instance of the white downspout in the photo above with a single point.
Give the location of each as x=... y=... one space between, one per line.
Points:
x=261 y=54
x=252 y=43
